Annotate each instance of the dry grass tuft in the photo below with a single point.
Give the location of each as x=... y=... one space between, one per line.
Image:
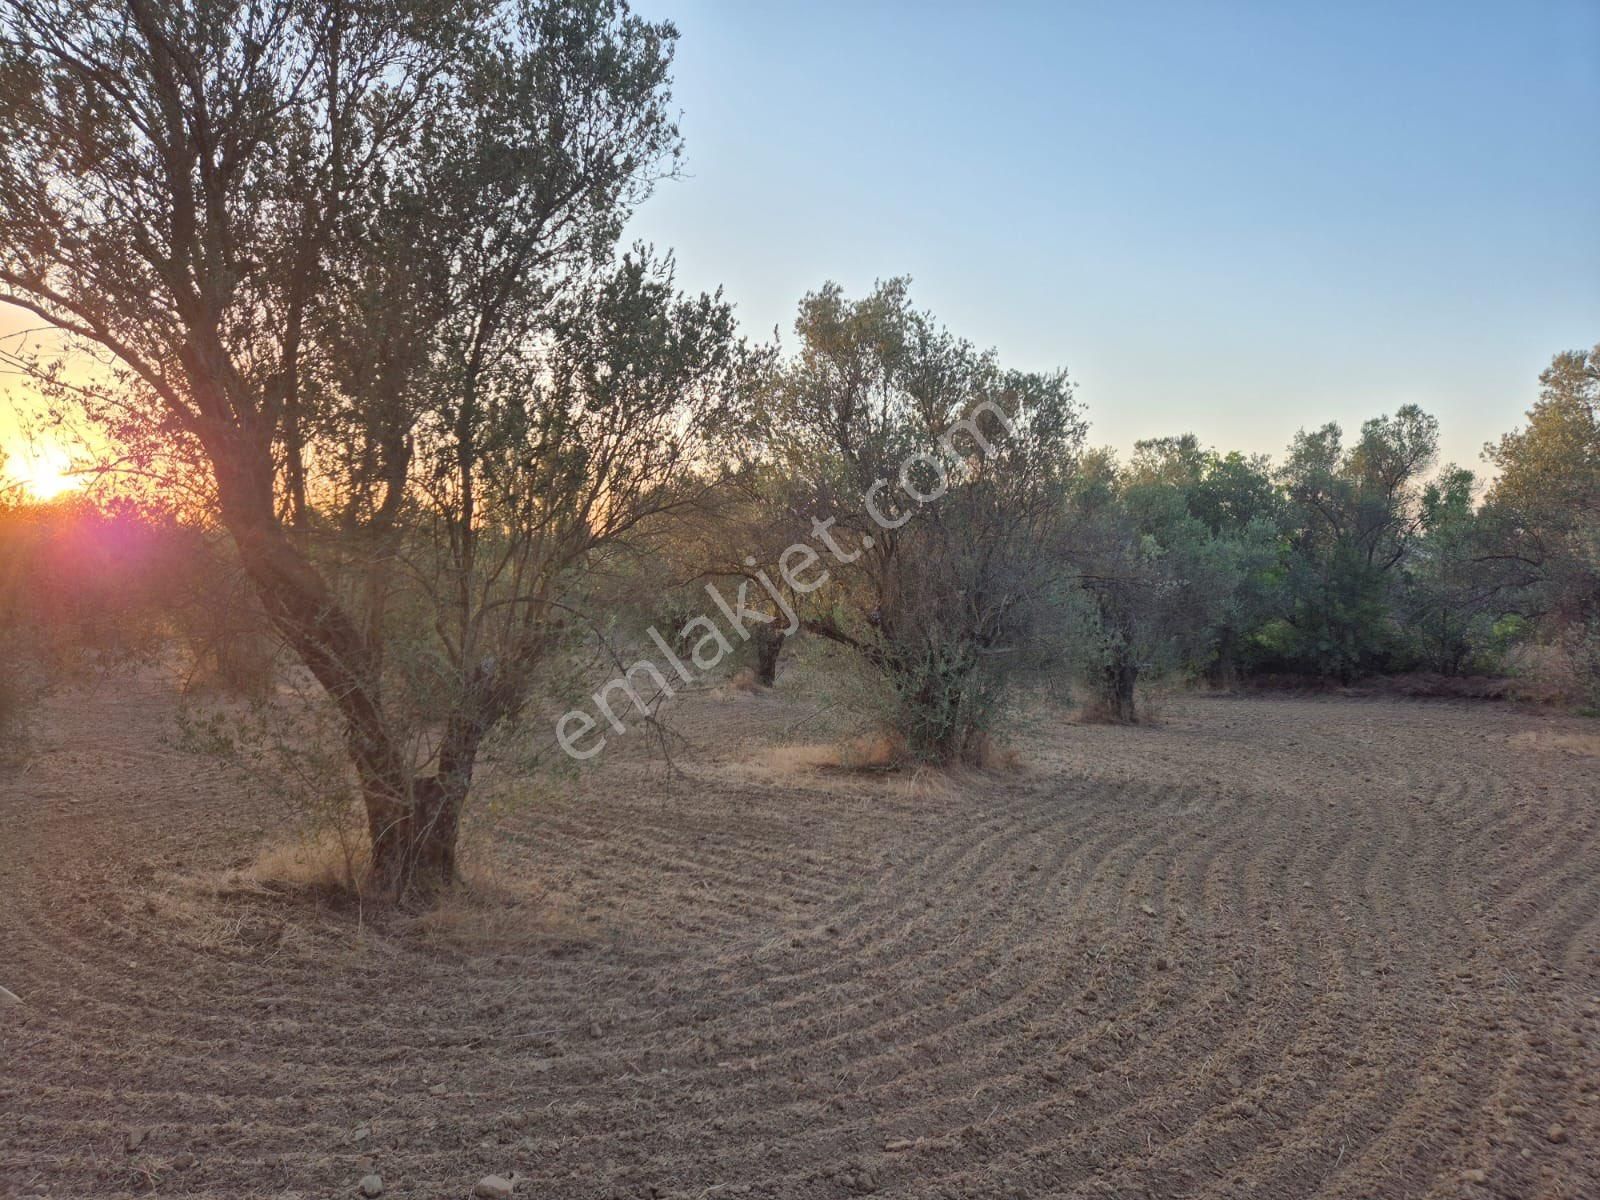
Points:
x=1149 y=705
x=330 y=863
x=790 y=760
x=1584 y=745
x=885 y=752
x=868 y=752
x=488 y=912
x=874 y=752
x=498 y=907
x=1095 y=711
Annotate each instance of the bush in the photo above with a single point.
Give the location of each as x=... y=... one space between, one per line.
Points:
x=1582 y=648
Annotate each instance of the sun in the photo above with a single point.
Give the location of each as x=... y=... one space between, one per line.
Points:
x=43 y=472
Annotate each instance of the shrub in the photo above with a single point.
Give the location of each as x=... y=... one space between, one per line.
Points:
x=1582 y=648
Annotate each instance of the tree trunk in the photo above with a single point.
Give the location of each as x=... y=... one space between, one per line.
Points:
x=769 y=645
x=1118 y=680
x=412 y=822
x=414 y=855
x=1224 y=669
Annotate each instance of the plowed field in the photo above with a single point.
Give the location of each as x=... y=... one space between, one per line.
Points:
x=1270 y=947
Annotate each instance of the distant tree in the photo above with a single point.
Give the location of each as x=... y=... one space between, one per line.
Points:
x=1542 y=514
x=1357 y=513
x=1220 y=522
x=735 y=541
x=940 y=478
x=1124 y=570
x=357 y=261
x=1179 y=551
x=1546 y=499
x=1447 y=604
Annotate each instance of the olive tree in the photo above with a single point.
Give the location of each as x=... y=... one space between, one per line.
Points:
x=1448 y=602
x=1181 y=551
x=1357 y=515
x=923 y=486
x=1541 y=519
x=358 y=262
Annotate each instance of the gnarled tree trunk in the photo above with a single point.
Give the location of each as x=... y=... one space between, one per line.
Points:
x=414 y=852
x=1119 y=677
x=769 y=645
x=412 y=821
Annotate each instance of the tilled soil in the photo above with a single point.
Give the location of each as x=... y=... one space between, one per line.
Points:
x=1271 y=947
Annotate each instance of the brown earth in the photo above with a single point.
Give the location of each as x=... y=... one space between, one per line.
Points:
x=1273 y=947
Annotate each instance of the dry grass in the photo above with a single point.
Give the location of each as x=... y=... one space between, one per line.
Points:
x=202 y=914
x=1585 y=745
x=868 y=752
x=492 y=910
x=1096 y=712
x=886 y=753
x=330 y=863
x=1150 y=703
x=992 y=755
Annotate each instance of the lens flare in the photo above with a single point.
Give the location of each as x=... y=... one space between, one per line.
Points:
x=41 y=472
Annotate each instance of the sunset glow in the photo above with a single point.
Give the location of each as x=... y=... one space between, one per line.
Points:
x=42 y=472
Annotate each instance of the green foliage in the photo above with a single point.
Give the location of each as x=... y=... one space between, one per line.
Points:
x=1338 y=613
x=949 y=533
x=1543 y=512
x=1356 y=515
x=1181 y=552
x=1446 y=607
x=1550 y=468
x=1582 y=646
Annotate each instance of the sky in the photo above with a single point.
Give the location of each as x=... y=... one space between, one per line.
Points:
x=1236 y=220
x=1232 y=219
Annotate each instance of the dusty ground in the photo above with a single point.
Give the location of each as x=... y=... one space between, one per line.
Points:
x=1273 y=947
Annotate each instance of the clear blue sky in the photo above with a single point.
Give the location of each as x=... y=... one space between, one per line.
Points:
x=1232 y=219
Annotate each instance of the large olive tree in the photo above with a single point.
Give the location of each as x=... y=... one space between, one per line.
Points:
x=358 y=260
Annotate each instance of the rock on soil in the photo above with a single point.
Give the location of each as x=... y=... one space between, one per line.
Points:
x=494 y=1187
x=370 y=1185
